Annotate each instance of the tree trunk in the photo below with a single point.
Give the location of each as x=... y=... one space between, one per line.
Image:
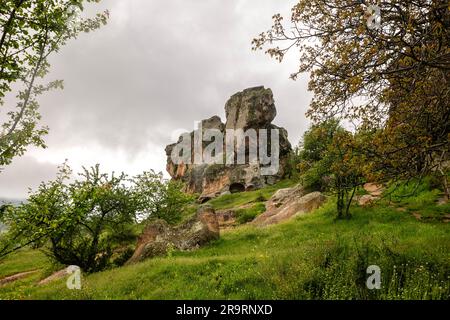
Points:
x=340 y=204
x=349 y=202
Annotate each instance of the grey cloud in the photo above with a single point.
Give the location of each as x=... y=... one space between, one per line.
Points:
x=27 y=172
x=161 y=65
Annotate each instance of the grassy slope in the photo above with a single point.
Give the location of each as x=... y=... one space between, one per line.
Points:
x=312 y=256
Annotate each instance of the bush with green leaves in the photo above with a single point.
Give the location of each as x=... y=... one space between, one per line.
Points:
x=335 y=160
x=312 y=161
x=161 y=199
x=86 y=221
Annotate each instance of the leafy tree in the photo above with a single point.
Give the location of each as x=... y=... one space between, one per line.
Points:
x=333 y=159
x=347 y=165
x=392 y=79
x=79 y=222
x=347 y=59
x=73 y=219
x=415 y=140
x=162 y=199
x=32 y=30
x=313 y=149
x=291 y=170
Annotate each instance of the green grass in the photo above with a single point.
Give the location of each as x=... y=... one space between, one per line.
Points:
x=249 y=214
x=22 y=261
x=235 y=200
x=310 y=257
x=419 y=198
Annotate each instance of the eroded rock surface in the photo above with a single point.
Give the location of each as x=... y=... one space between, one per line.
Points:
x=226 y=218
x=159 y=237
x=253 y=108
x=375 y=191
x=287 y=203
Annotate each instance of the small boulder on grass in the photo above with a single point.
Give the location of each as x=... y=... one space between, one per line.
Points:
x=159 y=237
x=366 y=200
x=287 y=203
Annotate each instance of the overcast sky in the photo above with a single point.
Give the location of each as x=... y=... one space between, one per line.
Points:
x=157 y=67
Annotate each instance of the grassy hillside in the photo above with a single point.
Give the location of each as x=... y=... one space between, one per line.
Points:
x=310 y=257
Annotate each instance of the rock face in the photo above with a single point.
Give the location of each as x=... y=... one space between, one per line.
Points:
x=366 y=200
x=286 y=203
x=375 y=192
x=158 y=238
x=226 y=218
x=374 y=189
x=252 y=108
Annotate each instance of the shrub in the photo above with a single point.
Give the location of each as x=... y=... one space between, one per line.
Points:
x=83 y=222
x=161 y=199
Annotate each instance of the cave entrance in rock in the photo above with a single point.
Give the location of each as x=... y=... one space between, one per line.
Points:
x=204 y=200
x=237 y=187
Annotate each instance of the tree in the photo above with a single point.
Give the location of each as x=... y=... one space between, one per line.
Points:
x=73 y=220
x=162 y=199
x=332 y=159
x=393 y=78
x=347 y=163
x=76 y=222
x=313 y=148
x=32 y=30
x=415 y=139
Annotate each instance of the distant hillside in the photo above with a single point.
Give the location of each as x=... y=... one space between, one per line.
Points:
x=9 y=201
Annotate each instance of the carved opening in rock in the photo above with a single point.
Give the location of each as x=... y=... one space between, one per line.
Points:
x=237 y=187
x=203 y=200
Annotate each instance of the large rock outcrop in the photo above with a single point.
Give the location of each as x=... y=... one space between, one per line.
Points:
x=159 y=237
x=287 y=203
x=253 y=108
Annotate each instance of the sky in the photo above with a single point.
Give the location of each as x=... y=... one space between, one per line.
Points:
x=155 y=69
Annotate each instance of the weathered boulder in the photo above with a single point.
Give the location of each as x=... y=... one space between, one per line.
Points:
x=446 y=218
x=284 y=196
x=287 y=203
x=226 y=218
x=159 y=237
x=366 y=200
x=253 y=108
x=374 y=189
x=61 y=274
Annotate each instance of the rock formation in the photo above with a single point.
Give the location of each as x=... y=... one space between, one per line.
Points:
x=374 y=191
x=252 y=108
x=287 y=203
x=158 y=237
